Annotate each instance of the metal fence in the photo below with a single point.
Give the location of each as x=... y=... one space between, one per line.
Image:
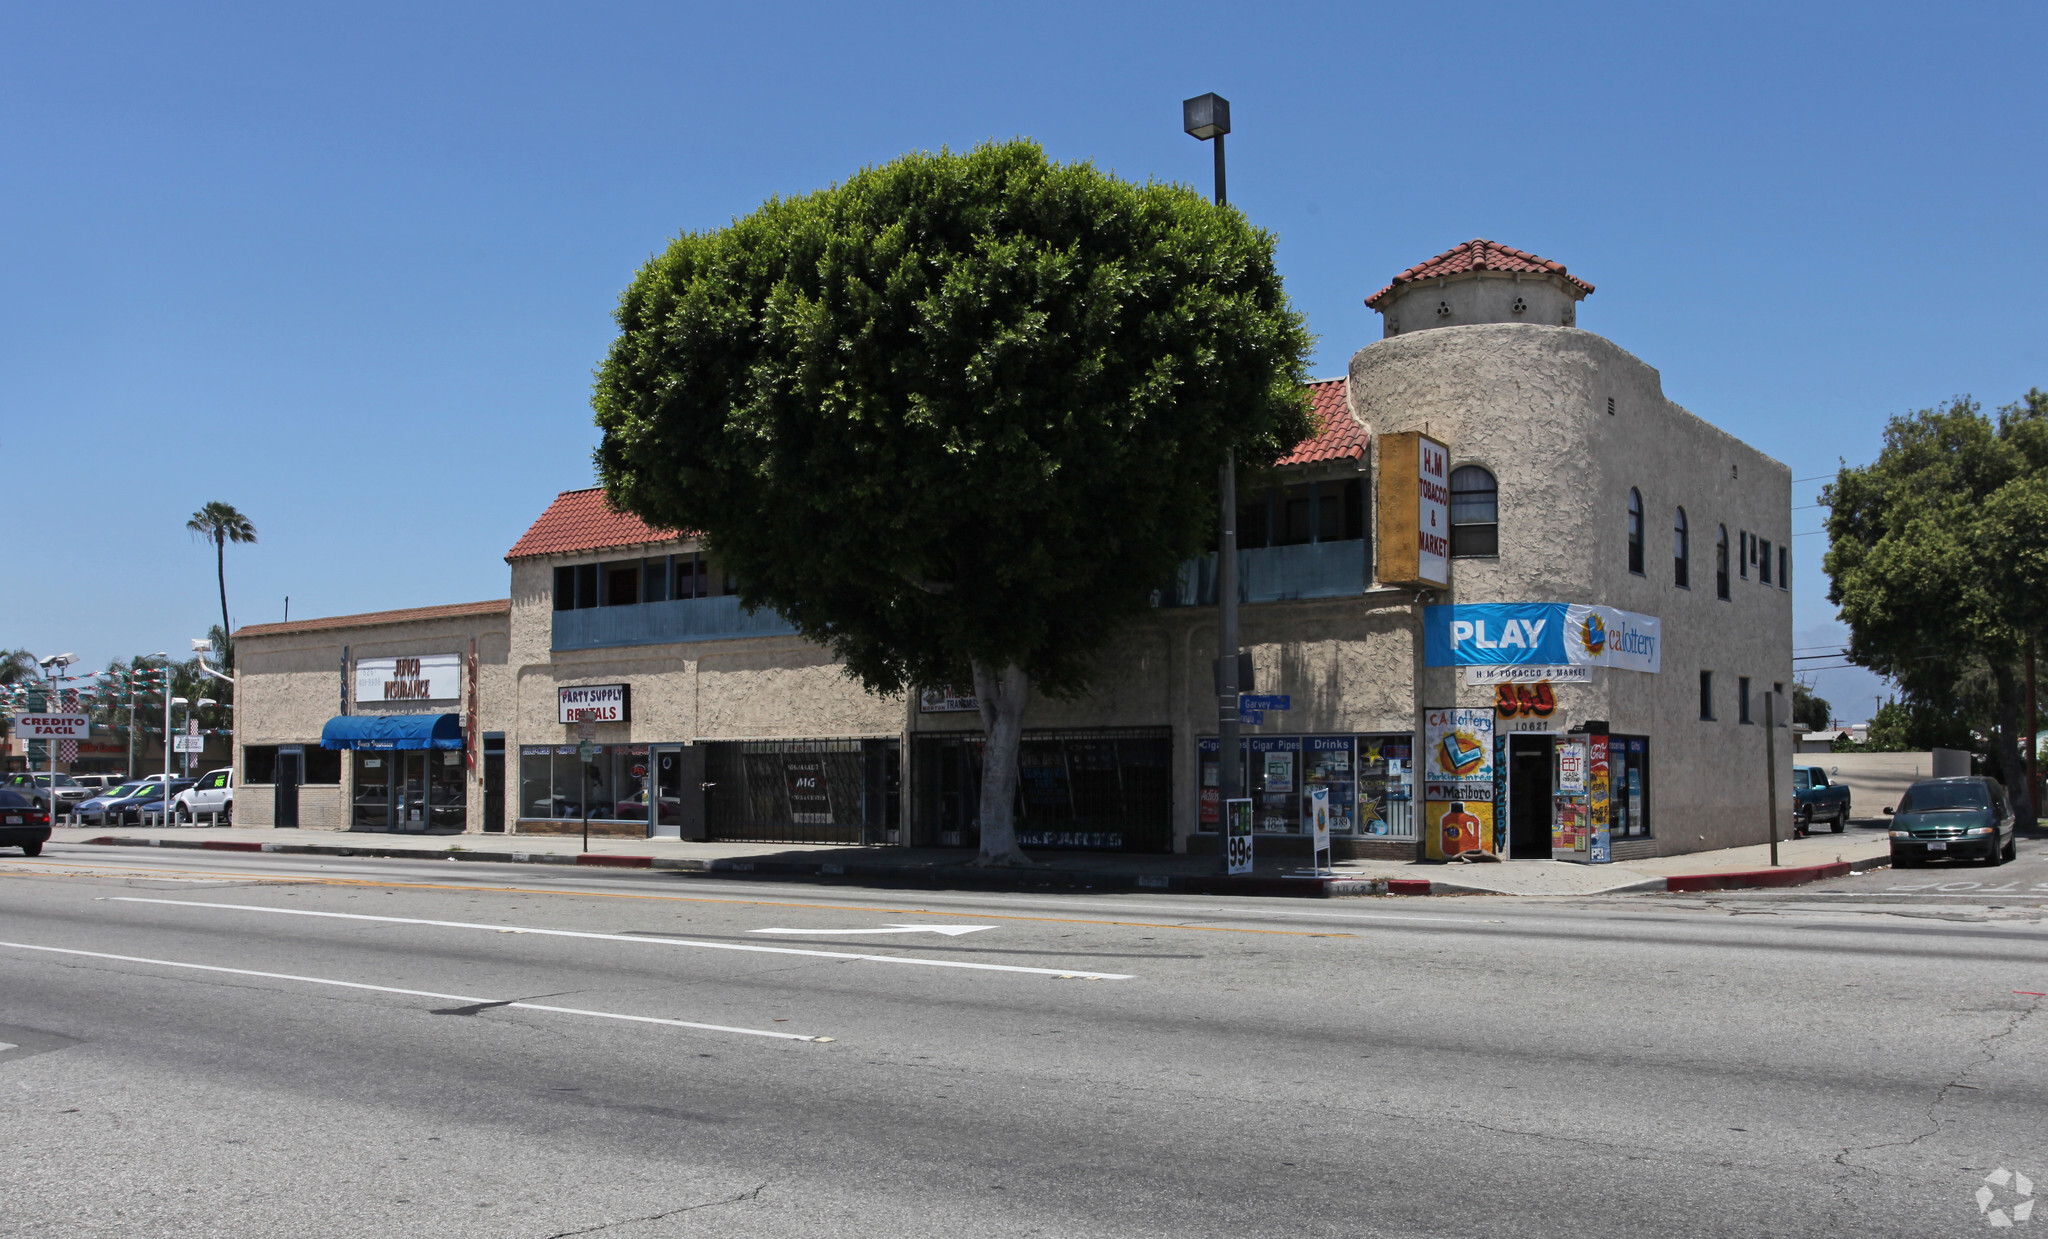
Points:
x=800 y=791
x=1100 y=789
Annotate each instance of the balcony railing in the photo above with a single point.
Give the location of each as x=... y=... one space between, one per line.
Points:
x=1276 y=574
x=660 y=623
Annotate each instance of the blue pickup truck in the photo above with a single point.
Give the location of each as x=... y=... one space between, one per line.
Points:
x=1816 y=799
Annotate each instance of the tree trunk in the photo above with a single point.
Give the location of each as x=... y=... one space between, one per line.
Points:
x=2012 y=762
x=220 y=571
x=1002 y=693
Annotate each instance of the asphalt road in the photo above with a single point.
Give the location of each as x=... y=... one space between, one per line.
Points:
x=260 y=1045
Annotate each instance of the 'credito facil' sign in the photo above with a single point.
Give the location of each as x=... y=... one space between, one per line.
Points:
x=1414 y=510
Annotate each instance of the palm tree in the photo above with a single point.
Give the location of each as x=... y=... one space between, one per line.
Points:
x=220 y=524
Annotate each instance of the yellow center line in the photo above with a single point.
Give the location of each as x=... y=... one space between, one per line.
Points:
x=750 y=903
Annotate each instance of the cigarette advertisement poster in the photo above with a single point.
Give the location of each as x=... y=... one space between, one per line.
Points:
x=1570 y=837
x=1599 y=802
x=1458 y=784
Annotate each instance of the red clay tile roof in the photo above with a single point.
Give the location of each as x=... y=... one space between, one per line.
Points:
x=1476 y=255
x=580 y=520
x=453 y=610
x=1338 y=436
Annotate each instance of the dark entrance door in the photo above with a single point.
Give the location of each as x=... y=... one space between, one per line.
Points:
x=494 y=791
x=1529 y=797
x=285 y=798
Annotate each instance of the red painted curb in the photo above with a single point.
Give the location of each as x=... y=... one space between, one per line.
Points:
x=1798 y=876
x=615 y=862
x=1408 y=886
x=229 y=845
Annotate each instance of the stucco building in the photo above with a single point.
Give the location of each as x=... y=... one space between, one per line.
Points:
x=1516 y=599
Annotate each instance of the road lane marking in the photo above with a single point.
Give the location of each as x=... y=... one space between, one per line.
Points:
x=1227 y=913
x=1062 y=973
x=414 y=993
x=951 y=931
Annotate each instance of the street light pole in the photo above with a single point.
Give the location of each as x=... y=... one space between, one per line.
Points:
x=1207 y=118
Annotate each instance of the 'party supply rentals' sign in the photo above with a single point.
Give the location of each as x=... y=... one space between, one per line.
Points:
x=1568 y=633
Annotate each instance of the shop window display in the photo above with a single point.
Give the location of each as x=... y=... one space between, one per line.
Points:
x=1370 y=780
x=556 y=782
x=1628 y=759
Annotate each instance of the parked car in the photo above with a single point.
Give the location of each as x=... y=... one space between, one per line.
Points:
x=145 y=797
x=1815 y=799
x=213 y=795
x=1953 y=819
x=100 y=809
x=36 y=786
x=97 y=783
x=22 y=824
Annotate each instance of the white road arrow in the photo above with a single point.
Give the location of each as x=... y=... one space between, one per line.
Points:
x=951 y=931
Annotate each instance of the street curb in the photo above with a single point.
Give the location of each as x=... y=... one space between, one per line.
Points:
x=1755 y=879
x=948 y=877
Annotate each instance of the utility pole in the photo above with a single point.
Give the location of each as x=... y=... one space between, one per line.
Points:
x=1771 y=767
x=1207 y=118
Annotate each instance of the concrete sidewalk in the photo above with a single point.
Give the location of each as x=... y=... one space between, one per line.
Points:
x=1800 y=860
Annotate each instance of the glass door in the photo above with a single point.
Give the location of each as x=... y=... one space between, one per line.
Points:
x=410 y=784
x=665 y=797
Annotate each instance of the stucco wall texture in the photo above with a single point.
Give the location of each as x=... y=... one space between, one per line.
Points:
x=1530 y=403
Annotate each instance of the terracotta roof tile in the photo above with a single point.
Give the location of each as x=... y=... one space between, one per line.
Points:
x=1476 y=255
x=453 y=610
x=581 y=520
x=1338 y=436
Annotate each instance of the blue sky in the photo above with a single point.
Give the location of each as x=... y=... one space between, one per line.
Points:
x=350 y=267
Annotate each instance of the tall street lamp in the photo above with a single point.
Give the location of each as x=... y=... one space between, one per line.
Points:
x=1207 y=118
x=53 y=670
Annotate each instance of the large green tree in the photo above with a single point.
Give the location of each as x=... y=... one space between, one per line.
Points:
x=220 y=524
x=957 y=417
x=1939 y=563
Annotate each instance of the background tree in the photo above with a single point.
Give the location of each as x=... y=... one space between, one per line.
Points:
x=1808 y=710
x=220 y=524
x=957 y=417
x=1939 y=562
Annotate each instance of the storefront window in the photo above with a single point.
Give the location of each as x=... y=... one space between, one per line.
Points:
x=1370 y=781
x=1108 y=789
x=447 y=790
x=1628 y=759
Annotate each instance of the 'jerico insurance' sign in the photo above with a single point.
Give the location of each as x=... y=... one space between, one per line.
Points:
x=429 y=677
x=1541 y=632
x=595 y=703
x=1415 y=510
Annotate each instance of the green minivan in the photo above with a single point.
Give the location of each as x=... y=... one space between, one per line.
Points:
x=1953 y=819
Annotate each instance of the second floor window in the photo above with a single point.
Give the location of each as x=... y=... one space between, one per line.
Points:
x=1635 y=531
x=1681 y=552
x=1721 y=565
x=1475 y=513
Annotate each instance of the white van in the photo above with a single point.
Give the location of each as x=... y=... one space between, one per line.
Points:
x=213 y=796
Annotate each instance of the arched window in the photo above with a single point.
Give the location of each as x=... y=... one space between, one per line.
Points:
x=1681 y=552
x=1475 y=513
x=1721 y=565
x=1635 y=531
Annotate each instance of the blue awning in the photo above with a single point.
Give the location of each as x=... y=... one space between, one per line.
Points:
x=392 y=731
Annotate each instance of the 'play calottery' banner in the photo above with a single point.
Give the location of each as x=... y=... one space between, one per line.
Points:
x=1568 y=633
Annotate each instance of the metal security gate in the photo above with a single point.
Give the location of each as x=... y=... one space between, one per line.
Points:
x=1107 y=789
x=800 y=791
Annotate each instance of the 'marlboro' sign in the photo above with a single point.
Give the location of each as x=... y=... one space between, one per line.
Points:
x=53 y=726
